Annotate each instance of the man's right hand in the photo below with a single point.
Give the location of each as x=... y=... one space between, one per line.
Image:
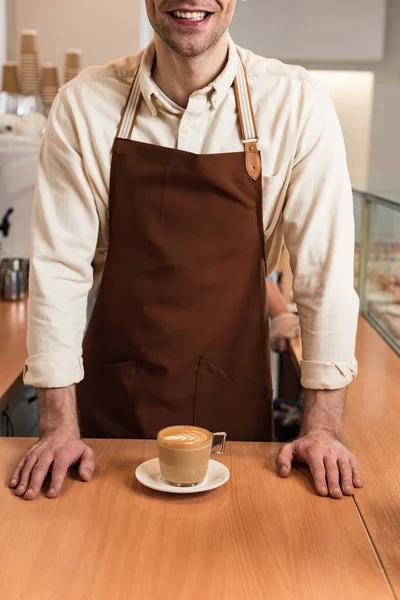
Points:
x=60 y=446
x=55 y=452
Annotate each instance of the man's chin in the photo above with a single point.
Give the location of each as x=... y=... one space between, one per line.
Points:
x=188 y=48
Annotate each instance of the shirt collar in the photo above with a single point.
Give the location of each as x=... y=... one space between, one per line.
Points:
x=216 y=91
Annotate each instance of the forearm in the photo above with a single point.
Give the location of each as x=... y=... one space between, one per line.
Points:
x=58 y=411
x=323 y=411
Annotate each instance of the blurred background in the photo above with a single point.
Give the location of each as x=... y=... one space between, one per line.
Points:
x=351 y=46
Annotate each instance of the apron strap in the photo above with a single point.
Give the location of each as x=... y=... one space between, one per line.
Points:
x=247 y=120
x=128 y=117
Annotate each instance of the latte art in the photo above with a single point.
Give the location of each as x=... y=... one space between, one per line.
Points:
x=184 y=436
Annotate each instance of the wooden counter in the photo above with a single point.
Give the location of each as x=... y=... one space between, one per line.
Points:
x=13 y=353
x=256 y=538
x=372 y=431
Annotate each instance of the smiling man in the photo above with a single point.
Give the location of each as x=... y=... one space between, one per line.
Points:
x=216 y=154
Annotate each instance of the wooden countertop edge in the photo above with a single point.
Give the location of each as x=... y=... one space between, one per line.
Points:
x=13 y=324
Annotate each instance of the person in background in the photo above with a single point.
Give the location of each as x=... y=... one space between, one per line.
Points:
x=284 y=325
x=217 y=155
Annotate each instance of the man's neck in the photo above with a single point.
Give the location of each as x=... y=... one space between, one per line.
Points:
x=180 y=76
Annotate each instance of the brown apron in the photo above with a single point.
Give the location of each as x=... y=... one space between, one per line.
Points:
x=179 y=331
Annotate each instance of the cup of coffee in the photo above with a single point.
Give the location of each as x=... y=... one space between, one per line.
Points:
x=184 y=452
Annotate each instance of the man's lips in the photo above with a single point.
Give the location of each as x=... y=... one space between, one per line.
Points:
x=190 y=18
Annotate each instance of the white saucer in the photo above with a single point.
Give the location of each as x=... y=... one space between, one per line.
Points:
x=148 y=473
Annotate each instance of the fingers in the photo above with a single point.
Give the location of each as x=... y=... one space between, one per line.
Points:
x=332 y=476
x=346 y=476
x=284 y=460
x=29 y=474
x=87 y=465
x=58 y=475
x=25 y=475
x=15 y=477
x=279 y=343
x=357 y=478
x=317 y=469
x=334 y=469
x=283 y=344
x=38 y=476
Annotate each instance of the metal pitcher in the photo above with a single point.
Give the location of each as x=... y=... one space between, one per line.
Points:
x=13 y=278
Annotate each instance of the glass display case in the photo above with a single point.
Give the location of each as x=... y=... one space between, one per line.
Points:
x=358 y=218
x=377 y=263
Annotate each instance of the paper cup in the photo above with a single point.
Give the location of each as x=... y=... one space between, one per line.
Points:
x=29 y=62
x=10 y=78
x=28 y=41
x=72 y=64
x=50 y=84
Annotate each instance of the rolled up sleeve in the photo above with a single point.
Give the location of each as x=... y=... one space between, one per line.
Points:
x=318 y=228
x=63 y=242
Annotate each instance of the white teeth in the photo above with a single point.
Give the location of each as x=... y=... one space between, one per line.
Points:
x=191 y=16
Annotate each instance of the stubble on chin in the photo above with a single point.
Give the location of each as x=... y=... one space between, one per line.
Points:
x=185 y=44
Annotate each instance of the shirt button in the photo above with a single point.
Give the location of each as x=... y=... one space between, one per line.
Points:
x=186 y=130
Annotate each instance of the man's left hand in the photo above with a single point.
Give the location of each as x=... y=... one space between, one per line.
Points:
x=333 y=467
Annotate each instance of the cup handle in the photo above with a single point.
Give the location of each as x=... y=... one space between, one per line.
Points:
x=218 y=439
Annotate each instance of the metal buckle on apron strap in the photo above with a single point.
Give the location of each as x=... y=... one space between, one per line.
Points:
x=253 y=160
x=251 y=144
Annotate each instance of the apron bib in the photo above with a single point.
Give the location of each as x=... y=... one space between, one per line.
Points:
x=179 y=331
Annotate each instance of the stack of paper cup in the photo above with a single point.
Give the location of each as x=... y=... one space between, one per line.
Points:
x=10 y=78
x=72 y=64
x=29 y=62
x=10 y=93
x=50 y=85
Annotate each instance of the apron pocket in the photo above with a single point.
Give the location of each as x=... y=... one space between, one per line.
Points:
x=226 y=403
x=105 y=398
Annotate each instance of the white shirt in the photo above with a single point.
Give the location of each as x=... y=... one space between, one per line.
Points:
x=307 y=198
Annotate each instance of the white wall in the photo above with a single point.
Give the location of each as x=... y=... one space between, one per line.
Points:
x=104 y=30
x=384 y=165
x=384 y=156
x=312 y=29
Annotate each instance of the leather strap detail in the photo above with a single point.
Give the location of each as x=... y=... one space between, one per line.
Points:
x=253 y=159
x=247 y=122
